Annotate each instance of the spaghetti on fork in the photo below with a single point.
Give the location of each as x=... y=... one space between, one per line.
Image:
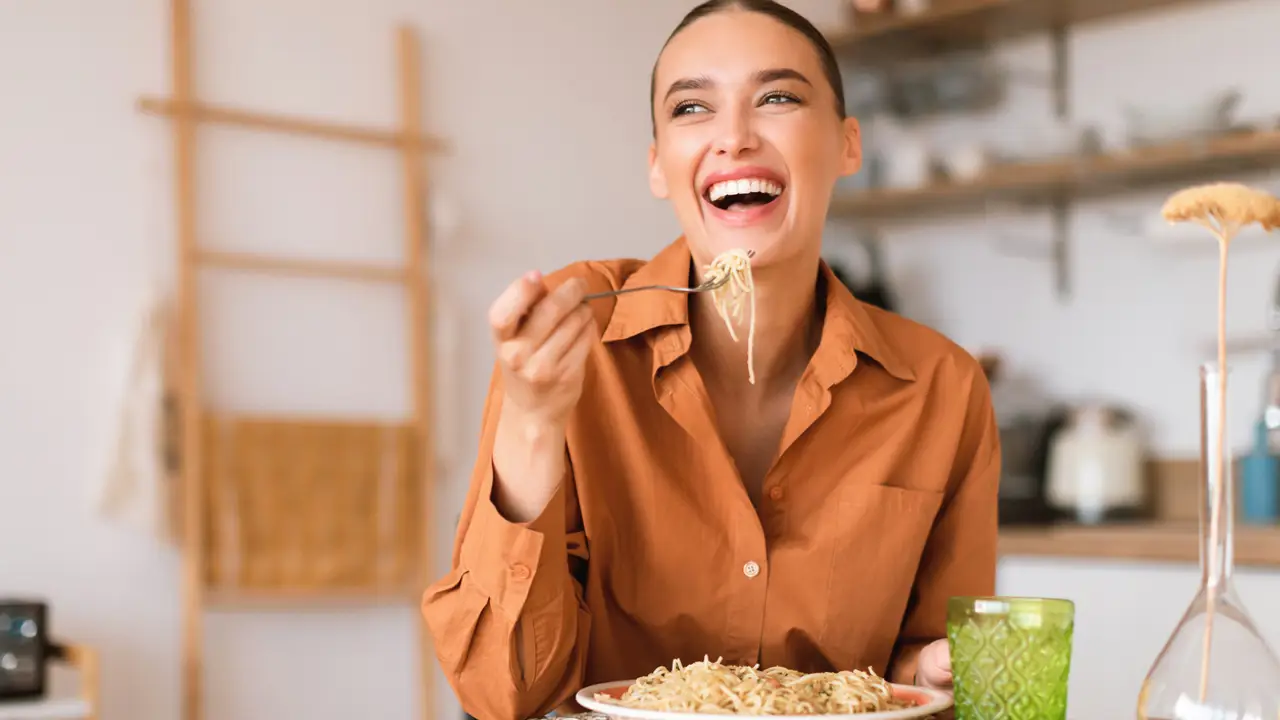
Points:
x=735 y=296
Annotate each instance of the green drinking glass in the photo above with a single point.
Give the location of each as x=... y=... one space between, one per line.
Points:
x=1010 y=657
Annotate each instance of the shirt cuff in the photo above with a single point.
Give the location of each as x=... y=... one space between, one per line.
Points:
x=505 y=557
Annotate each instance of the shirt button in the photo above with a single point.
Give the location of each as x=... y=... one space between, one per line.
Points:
x=751 y=569
x=775 y=493
x=520 y=572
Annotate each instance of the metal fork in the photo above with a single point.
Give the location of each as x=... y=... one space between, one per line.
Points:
x=706 y=285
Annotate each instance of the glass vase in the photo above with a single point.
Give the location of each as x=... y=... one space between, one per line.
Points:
x=1215 y=666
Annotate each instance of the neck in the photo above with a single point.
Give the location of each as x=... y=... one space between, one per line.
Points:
x=788 y=323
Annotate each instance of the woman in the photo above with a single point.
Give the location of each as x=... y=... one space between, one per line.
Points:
x=638 y=498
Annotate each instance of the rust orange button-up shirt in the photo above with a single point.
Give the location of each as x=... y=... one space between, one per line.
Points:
x=880 y=506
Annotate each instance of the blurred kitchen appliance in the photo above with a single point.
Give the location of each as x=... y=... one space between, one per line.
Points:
x=1026 y=425
x=1096 y=467
x=24 y=649
x=1024 y=444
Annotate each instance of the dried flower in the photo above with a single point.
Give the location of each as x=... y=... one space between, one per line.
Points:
x=1223 y=207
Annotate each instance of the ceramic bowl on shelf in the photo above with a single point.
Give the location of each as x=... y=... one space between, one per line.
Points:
x=965 y=163
x=908 y=166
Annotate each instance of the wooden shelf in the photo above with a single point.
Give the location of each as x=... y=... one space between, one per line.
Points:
x=1072 y=177
x=1156 y=542
x=952 y=24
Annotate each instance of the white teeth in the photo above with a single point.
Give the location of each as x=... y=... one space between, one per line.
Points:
x=742 y=187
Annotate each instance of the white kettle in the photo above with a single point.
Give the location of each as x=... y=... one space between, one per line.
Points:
x=1096 y=467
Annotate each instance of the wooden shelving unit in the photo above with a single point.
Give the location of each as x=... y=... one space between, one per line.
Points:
x=292 y=511
x=880 y=40
x=1176 y=542
x=952 y=24
x=1074 y=178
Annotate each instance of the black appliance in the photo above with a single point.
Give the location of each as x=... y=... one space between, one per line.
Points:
x=874 y=289
x=25 y=649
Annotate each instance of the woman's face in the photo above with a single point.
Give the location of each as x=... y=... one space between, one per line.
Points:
x=748 y=145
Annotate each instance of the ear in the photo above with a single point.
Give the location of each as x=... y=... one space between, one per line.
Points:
x=851 y=159
x=657 y=179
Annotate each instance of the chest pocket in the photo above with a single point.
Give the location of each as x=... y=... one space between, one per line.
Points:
x=873 y=567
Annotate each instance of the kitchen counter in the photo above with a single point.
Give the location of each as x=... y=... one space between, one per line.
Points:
x=1255 y=545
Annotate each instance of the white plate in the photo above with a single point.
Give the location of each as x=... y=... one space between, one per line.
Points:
x=927 y=702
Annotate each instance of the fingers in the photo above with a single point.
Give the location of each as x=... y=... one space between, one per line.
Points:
x=549 y=312
x=509 y=310
x=542 y=320
x=577 y=353
x=565 y=348
x=934 y=666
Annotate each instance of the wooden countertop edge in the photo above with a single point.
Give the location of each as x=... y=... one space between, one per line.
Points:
x=1255 y=546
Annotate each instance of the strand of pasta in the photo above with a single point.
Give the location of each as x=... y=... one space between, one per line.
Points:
x=736 y=264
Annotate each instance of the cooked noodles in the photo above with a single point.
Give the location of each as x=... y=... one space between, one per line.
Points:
x=736 y=264
x=712 y=688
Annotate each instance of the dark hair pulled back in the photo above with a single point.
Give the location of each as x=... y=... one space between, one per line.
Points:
x=777 y=11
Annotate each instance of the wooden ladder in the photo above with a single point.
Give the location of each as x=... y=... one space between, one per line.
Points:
x=366 y=486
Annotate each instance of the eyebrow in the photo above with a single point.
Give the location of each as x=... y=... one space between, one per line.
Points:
x=761 y=77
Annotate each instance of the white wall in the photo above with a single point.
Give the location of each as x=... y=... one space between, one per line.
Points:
x=546 y=106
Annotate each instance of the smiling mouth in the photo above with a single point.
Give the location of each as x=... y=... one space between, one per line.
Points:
x=743 y=194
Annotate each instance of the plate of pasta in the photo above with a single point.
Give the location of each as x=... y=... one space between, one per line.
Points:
x=708 y=688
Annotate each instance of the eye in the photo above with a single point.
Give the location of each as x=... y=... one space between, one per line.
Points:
x=779 y=97
x=688 y=107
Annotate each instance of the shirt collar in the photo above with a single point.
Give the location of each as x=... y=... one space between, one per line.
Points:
x=849 y=324
x=637 y=313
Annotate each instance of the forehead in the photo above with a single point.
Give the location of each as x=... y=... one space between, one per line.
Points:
x=733 y=45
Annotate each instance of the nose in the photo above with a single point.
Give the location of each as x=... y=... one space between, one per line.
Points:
x=736 y=133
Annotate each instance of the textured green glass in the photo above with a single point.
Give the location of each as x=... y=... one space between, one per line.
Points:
x=1010 y=657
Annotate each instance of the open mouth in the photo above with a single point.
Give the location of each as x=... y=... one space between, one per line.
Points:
x=743 y=194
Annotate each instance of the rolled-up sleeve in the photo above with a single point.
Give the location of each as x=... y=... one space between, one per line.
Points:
x=508 y=621
x=960 y=555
